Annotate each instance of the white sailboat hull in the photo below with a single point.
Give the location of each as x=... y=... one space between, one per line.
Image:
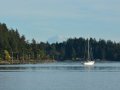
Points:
x=89 y=63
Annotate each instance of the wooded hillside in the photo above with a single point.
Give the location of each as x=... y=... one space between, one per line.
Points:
x=14 y=46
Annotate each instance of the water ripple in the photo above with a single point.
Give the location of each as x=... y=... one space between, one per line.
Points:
x=105 y=67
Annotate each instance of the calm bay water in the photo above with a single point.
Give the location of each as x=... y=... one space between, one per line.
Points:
x=60 y=76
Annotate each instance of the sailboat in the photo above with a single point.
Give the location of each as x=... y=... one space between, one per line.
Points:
x=89 y=62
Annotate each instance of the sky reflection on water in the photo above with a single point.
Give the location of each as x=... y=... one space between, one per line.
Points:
x=98 y=67
x=60 y=76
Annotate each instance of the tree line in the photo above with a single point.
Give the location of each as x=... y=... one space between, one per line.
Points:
x=14 y=46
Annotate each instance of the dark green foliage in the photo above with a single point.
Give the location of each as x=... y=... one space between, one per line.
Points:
x=10 y=40
x=72 y=49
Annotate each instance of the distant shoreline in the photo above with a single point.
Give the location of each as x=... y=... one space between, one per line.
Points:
x=17 y=62
x=25 y=62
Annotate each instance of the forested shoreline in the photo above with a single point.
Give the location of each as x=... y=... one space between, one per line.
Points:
x=15 y=48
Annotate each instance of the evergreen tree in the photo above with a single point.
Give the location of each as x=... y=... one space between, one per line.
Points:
x=15 y=45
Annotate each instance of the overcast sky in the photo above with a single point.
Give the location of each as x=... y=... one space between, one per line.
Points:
x=43 y=19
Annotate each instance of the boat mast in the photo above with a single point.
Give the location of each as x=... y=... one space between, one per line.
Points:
x=88 y=50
